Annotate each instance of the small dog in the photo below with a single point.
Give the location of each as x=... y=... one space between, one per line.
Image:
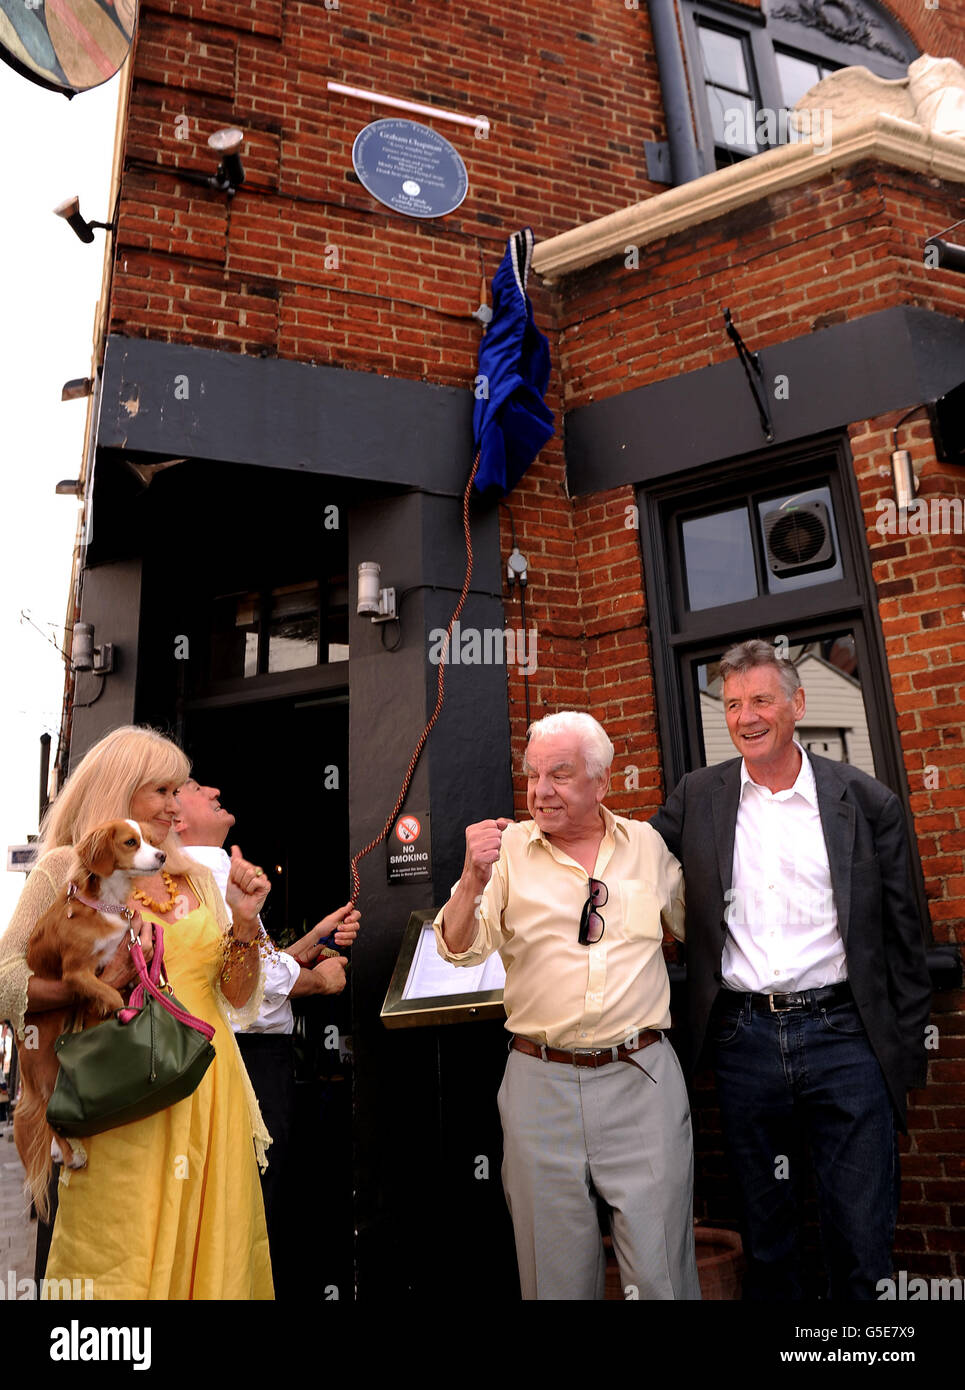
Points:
x=80 y=932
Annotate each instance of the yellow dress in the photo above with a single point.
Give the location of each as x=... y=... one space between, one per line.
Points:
x=170 y=1207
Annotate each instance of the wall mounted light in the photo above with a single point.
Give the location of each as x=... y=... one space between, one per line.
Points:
x=945 y=254
x=68 y=487
x=949 y=255
x=84 y=656
x=902 y=469
x=147 y=472
x=69 y=210
x=374 y=601
x=517 y=570
x=230 y=173
x=906 y=484
x=76 y=389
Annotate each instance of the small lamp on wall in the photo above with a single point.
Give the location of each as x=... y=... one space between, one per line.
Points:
x=84 y=656
x=374 y=601
x=906 y=484
x=70 y=211
x=230 y=175
x=902 y=468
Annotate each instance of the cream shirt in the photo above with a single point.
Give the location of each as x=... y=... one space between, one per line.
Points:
x=561 y=993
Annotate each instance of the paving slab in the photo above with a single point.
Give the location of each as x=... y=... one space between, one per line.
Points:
x=18 y=1234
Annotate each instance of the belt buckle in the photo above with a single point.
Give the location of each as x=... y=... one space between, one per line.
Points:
x=783 y=1008
x=589 y=1056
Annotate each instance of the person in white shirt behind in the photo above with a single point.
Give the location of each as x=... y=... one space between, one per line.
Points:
x=266 y=1046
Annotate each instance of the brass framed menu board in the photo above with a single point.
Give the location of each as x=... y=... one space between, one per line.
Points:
x=425 y=989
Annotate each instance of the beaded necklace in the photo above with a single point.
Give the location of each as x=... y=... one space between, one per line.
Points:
x=160 y=908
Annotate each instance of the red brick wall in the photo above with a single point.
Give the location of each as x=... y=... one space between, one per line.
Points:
x=808 y=258
x=812 y=256
x=252 y=276
x=921 y=586
x=573 y=94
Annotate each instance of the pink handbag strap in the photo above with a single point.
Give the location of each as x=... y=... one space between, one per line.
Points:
x=149 y=981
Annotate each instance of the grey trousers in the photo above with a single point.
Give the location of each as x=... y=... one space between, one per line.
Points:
x=572 y=1133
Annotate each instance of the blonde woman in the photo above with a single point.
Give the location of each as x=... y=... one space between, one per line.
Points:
x=168 y=1207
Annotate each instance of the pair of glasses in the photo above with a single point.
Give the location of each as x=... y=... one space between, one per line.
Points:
x=592 y=925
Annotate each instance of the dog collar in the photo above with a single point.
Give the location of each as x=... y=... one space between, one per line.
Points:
x=121 y=909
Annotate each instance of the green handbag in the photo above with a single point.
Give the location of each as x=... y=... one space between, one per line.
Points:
x=146 y=1057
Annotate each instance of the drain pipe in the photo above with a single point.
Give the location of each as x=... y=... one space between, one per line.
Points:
x=685 y=159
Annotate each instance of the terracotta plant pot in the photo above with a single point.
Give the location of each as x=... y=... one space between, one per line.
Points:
x=720 y=1264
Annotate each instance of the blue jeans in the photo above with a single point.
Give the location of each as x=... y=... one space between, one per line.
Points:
x=808 y=1073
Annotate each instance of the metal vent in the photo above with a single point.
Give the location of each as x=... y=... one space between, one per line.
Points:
x=798 y=539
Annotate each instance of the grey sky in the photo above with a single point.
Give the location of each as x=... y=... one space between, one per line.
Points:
x=51 y=149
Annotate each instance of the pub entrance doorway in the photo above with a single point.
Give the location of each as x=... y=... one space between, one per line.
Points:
x=282 y=769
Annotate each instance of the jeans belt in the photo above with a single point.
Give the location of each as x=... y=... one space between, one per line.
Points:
x=803 y=999
x=591 y=1057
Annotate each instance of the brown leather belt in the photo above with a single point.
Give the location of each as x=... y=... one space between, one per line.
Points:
x=592 y=1057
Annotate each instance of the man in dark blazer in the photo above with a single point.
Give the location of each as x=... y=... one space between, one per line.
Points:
x=807 y=979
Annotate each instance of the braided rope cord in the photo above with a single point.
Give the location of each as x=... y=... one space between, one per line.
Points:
x=440 y=696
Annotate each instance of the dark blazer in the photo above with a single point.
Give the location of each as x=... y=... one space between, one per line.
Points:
x=878 y=916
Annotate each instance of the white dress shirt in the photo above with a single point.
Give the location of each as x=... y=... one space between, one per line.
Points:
x=281 y=970
x=782 y=923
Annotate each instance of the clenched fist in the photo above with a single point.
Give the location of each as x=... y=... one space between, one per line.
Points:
x=482 y=848
x=330 y=975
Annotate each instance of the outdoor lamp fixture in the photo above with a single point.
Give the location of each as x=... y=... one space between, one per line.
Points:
x=84 y=656
x=76 y=389
x=69 y=210
x=906 y=484
x=948 y=255
x=902 y=469
x=374 y=601
x=517 y=569
x=230 y=175
x=68 y=487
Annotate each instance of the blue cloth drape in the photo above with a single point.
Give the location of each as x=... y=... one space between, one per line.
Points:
x=511 y=421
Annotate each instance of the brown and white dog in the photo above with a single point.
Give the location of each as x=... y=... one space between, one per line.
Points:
x=79 y=933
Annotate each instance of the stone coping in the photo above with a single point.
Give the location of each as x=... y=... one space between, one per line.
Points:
x=880 y=137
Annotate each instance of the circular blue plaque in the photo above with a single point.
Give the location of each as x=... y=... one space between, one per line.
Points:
x=410 y=168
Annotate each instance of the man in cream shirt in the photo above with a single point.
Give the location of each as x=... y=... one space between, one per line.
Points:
x=593 y=1102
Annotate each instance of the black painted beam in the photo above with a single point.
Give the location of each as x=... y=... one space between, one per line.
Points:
x=171 y=400
x=891 y=360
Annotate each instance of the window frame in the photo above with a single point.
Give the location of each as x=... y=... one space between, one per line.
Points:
x=849 y=602
x=765 y=33
x=678 y=636
x=764 y=79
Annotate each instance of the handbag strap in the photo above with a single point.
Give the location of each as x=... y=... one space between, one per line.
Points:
x=149 y=984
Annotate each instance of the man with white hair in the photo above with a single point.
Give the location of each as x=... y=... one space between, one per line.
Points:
x=593 y=1102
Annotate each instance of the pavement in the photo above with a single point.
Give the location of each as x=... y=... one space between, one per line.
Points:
x=18 y=1234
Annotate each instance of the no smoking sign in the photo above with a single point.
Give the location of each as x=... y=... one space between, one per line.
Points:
x=407 y=850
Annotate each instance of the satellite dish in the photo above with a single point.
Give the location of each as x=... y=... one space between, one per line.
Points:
x=67 y=46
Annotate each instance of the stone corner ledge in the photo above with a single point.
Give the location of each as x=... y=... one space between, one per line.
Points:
x=880 y=137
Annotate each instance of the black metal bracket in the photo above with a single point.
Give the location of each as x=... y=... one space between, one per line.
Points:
x=751 y=362
x=228 y=179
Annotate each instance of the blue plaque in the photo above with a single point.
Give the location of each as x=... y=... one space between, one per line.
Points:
x=410 y=168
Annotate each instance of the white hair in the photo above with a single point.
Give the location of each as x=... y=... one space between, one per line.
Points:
x=591 y=736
